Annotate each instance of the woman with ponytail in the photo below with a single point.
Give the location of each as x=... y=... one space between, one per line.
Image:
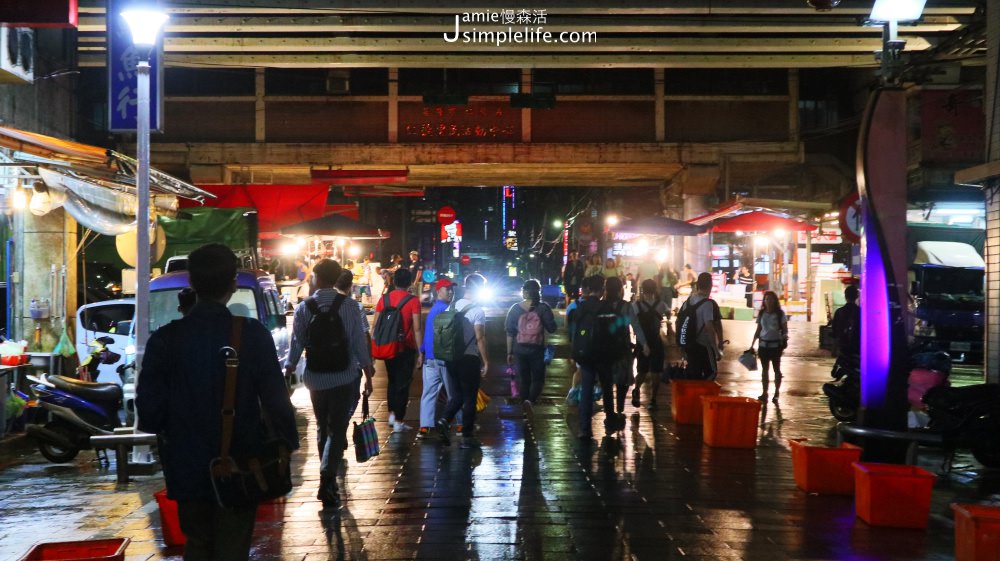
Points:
x=526 y=324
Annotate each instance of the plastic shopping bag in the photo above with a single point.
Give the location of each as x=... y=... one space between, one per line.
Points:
x=573 y=397
x=749 y=360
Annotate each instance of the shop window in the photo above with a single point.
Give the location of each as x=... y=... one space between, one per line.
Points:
x=208 y=81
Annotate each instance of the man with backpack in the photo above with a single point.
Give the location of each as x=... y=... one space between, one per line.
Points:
x=394 y=340
x=650 y=311
x=329 y=327
x=572 y=276
x=699 y=331
x=460 y=340
x=435 y=370
x=526 y=324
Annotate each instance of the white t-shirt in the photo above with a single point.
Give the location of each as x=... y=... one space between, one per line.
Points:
x=473 y=316
x=771 y=328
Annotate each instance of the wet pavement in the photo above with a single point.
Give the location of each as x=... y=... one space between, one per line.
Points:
x=533 y=491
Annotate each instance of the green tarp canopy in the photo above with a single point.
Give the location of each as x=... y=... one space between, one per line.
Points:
x=194 y=228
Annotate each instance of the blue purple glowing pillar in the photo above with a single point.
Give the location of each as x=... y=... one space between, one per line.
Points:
x=881 y=176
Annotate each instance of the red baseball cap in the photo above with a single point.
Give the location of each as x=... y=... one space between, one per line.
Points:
x=443 y=282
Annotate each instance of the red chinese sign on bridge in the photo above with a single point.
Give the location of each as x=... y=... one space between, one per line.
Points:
x=475 y=122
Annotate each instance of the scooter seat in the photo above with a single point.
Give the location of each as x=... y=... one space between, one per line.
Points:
x=94 y=391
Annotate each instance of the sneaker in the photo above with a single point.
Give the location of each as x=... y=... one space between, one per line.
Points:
x=442 y=430
x=775 y=398
x=762 y=397
x=635 y=397
x=468 y=442
x=400 y=426
x=424 y=433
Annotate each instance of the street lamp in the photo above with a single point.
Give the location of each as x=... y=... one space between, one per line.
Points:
x=145 y=25
x=557 y=224
x=889 y=13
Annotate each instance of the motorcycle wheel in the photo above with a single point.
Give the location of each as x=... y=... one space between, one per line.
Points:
x=55 y=453
x=842 y=412
x=987 y=453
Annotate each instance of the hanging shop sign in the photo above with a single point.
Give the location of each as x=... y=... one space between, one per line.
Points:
x=451 y=232
x=511 y=240
x=123 y=82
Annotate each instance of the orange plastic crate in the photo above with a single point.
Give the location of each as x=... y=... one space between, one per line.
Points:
x=977 y=532
x=685 y=404
x=730 y=422
x=87 y=550
x=169 y=521
x=892 y=495
x=826 y=471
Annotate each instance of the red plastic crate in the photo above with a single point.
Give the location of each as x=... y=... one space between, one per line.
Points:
x=730 y=422
x=892 y=495
x=685 y=399
x=826 y=471
x=977 y=532
x=87 y=550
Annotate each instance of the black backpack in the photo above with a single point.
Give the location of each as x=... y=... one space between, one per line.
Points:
x=601 y=336
x=326 y=340
x=649 y=320
x=687 y=328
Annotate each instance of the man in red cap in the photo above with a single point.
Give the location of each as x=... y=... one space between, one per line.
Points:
x=434 y=371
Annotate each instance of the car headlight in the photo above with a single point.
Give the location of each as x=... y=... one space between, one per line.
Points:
x=923 y=329
x=486 y=294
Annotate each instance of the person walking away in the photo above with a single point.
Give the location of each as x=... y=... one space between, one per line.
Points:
x=526 y=324
x=699 y=331
x=581 y=322
x=647 y=270
x=572 y=276
x=394 y=340
x=772 y=331
x=847 y=325
x=329 y=327
x=181 y=396
x=668 y=280
x=623 y=318
x=435 y=372
x=650 y=311
x=469 y=367
x=746 y=279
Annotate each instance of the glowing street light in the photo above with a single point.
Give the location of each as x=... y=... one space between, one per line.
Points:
x=557 y=223
x=612 y=220
x=661 y=256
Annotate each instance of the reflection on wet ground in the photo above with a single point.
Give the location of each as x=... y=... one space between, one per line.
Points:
x=533 y=491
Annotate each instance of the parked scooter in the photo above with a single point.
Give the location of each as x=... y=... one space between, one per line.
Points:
x=967 y=418
x=76 y=409
x=845 y=394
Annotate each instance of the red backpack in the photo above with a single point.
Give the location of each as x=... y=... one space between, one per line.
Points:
x=388 y=336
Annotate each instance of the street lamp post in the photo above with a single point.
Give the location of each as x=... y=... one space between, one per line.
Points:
x=145 y=25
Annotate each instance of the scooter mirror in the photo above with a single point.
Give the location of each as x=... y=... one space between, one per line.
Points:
x=105 y=340
x=108 y=357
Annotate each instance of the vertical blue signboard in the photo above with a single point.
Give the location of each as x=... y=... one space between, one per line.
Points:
x=123 y=95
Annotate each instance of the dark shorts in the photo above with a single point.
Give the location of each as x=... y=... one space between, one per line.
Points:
x=769 y=353
x=652 y=363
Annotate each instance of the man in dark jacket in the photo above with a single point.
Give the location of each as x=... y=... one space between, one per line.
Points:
x=572 y=277
x=179 y=397
x=847 y=324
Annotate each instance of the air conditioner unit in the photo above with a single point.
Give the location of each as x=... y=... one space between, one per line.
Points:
x=17 y=55
x=338 y=82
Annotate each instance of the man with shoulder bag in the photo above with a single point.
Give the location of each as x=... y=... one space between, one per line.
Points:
x=330 y=327
x=211 y=388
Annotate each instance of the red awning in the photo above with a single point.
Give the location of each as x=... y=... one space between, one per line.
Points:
x=277 y=206
x=759 y=221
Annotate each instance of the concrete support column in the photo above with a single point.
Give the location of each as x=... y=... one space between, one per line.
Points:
x=393 y=105
x=697 y=249
x=525 y=111
x=259 y=128
x=40 y=243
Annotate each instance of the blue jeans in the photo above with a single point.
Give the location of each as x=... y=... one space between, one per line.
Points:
x=214 y=533
x=435 y=377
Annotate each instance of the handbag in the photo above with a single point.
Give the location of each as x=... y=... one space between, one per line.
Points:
x=482 y=400
x=749 y=360
x=366 y=444
x=245 y=482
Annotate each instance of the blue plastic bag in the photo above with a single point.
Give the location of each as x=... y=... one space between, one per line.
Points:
x=573 y=397
x=550 y=353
